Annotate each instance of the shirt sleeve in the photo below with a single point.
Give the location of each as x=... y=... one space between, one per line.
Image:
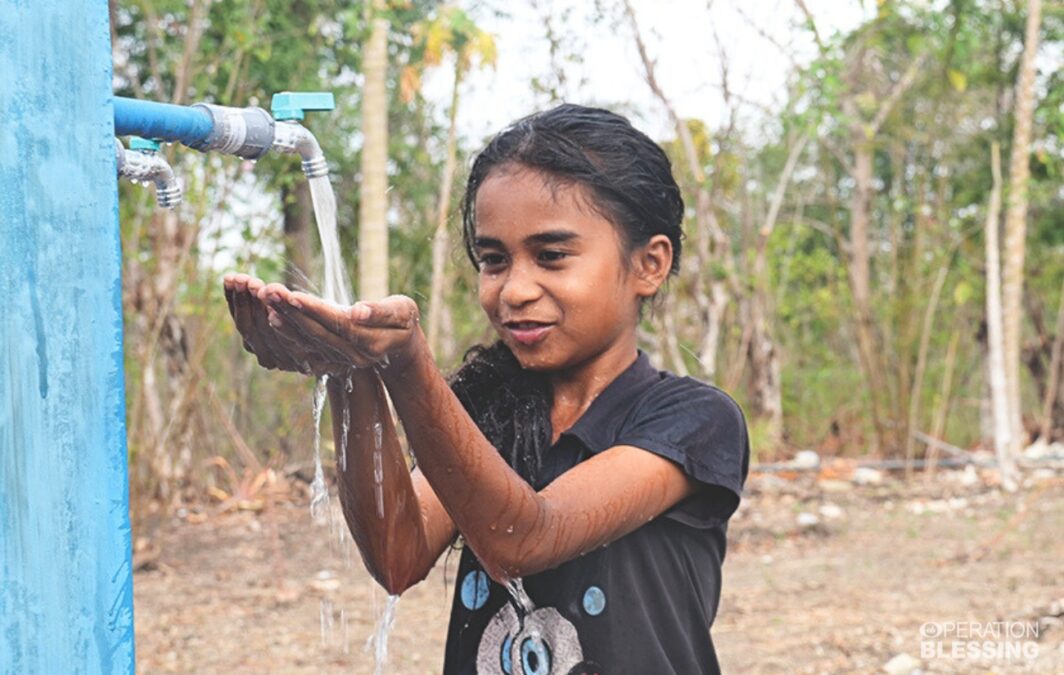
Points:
x=702 y=429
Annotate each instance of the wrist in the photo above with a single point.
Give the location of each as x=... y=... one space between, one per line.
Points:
x=403 y=363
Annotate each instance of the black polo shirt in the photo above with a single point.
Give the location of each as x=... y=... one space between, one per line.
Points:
x=643 y=604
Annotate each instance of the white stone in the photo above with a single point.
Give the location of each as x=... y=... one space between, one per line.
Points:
x=902 y=664
x=865 y=475
x=830 y=511
x=806 y=459
x=806 y=519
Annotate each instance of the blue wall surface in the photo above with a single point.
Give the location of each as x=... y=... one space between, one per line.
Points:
x=66 y=592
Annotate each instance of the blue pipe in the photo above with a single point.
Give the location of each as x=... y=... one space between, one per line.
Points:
x=162 y=121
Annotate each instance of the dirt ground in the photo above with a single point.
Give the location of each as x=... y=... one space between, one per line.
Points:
x=822 y=575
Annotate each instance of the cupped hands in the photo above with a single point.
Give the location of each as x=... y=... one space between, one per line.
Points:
x=299 y=332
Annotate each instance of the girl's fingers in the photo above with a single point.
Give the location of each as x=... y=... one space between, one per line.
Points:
x=296 y=326
x=258 y=333
x=306 y=360
x=397 y=311
x=242 y=315
x=283 y=358
x=331 y=316
x=228 y=288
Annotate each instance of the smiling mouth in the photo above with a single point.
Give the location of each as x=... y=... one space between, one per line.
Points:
x=528 y=332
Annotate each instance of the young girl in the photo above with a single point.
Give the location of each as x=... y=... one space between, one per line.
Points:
x=559 y=453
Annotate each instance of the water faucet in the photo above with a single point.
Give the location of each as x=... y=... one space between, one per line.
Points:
x=251 y=132
x=247 y=132
x=290 y=136
x=142 y=162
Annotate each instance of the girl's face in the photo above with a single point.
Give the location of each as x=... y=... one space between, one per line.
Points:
x=553 y=281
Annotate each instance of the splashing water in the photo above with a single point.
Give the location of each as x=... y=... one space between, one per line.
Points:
x=378 y=460
x=379 y=640
x=326 y=620
x=337 y=289
x=319 y=499
x=522 y=603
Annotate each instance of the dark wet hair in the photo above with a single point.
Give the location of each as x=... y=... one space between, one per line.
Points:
x=629 y=181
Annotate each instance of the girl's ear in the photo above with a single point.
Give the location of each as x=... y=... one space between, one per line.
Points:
x=651 y=264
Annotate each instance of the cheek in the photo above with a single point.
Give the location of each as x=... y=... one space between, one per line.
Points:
x=487 y=293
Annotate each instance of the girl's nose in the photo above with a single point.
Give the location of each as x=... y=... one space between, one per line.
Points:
x=520 y=288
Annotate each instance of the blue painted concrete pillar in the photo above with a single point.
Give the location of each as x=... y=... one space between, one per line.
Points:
x=66 y=590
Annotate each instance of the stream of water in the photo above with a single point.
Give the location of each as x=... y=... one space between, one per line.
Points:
x=337 y=289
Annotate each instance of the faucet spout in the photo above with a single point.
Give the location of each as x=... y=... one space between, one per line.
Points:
x=292 y=137
x=142 y=163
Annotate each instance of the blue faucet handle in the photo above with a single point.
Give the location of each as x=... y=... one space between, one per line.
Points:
x=291 y=105
x=138 y=143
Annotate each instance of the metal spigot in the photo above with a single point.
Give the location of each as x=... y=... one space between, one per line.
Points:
x=288 y=109
x=143 y=163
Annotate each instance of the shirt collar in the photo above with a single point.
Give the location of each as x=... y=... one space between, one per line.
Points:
x=600 y=424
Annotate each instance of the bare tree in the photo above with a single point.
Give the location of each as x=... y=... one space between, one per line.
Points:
x=995 y=365
x=860 y=86
x=763 y=353
x=711 y=243
x=373 y=208
x=1016 y=226
x=1053 y=383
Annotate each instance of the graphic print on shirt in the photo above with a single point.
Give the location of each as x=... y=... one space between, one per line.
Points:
x=545 y=642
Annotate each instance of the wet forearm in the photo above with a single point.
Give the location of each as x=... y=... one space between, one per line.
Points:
x=500 y=515
x=378 y=500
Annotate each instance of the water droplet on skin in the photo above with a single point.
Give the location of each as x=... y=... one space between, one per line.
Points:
x=492 y=527
x=510 y=530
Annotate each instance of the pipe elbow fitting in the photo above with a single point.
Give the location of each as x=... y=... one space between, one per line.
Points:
x=144 y=166
x=294 y=138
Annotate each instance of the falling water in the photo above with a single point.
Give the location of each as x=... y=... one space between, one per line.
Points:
x=522 y=603
x=379 y=640
x=337 y=289
x=378 y=460
x=319 y=493
x=326 y=620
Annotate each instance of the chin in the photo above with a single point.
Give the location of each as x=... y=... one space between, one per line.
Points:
x=535 y=358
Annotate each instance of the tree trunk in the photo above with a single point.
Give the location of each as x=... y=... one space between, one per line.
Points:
x=938 y=425
x=373 y=212
x=916 y=390
x=996 y=376
x=441 y=239
x=711 y=243
x=859 y=271
x=1050 y=395
x=1016 y=228
x=765 y=370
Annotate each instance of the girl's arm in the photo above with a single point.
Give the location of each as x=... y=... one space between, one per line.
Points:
x=401 y=547
x=396 y=519
x=514 y=530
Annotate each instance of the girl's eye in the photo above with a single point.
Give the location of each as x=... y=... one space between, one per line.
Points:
x=490 y=260
x=552 y=256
